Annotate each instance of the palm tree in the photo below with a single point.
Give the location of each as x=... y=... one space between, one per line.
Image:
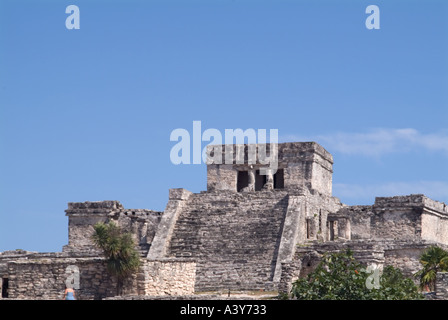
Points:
x=433 y=259
x=119 y=249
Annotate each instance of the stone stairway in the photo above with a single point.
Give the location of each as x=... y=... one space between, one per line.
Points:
x=143 y=249
x=234 y=238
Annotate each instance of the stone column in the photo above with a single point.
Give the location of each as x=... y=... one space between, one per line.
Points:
x=269 y=185
x=251 y=180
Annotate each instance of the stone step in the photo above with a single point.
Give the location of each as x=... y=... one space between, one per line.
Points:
x=234 y=236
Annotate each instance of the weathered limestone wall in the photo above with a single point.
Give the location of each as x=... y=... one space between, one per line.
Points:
x=5 y=257
x=397 y=218
x=360 y=221
x=318 y=210
x=141 y=223
x=44 y=278
x=386 y=219
x=83 y=216
x=396 y=224
x=435 y=221
x=305 y=164
x=172 y=277
x=442 y=286
x=322 y=171
x=434 y=205
x=221 y=177
x=435 y=228
x=412 y=217
x=406 y=258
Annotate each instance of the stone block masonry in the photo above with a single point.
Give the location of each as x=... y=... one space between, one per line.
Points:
x=169 y=277
x=82 y=216
x=239 y=240
x=304 y=164
x=233 y=237
x=413 y=217
x=442 y=286
x=253 y=229
x=44 y=278
x=177 y=201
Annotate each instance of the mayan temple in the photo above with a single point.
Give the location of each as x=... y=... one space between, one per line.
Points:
x=254 y=228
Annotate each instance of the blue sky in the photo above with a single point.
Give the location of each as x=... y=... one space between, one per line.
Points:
x=86 y=115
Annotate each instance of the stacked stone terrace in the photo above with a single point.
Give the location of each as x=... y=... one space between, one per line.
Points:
x=247 y=223
x=256 y=227
x=393 y=231
x=233 y=237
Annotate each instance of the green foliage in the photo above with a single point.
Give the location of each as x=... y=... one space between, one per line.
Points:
x=433 y=260
x=340 y=276
x=282 y=296
x=119 y=249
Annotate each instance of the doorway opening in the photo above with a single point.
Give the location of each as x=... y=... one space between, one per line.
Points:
x=5 y=286
x=331 y=230
x=260 y=180
x=279 y=180
x=243 y=180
